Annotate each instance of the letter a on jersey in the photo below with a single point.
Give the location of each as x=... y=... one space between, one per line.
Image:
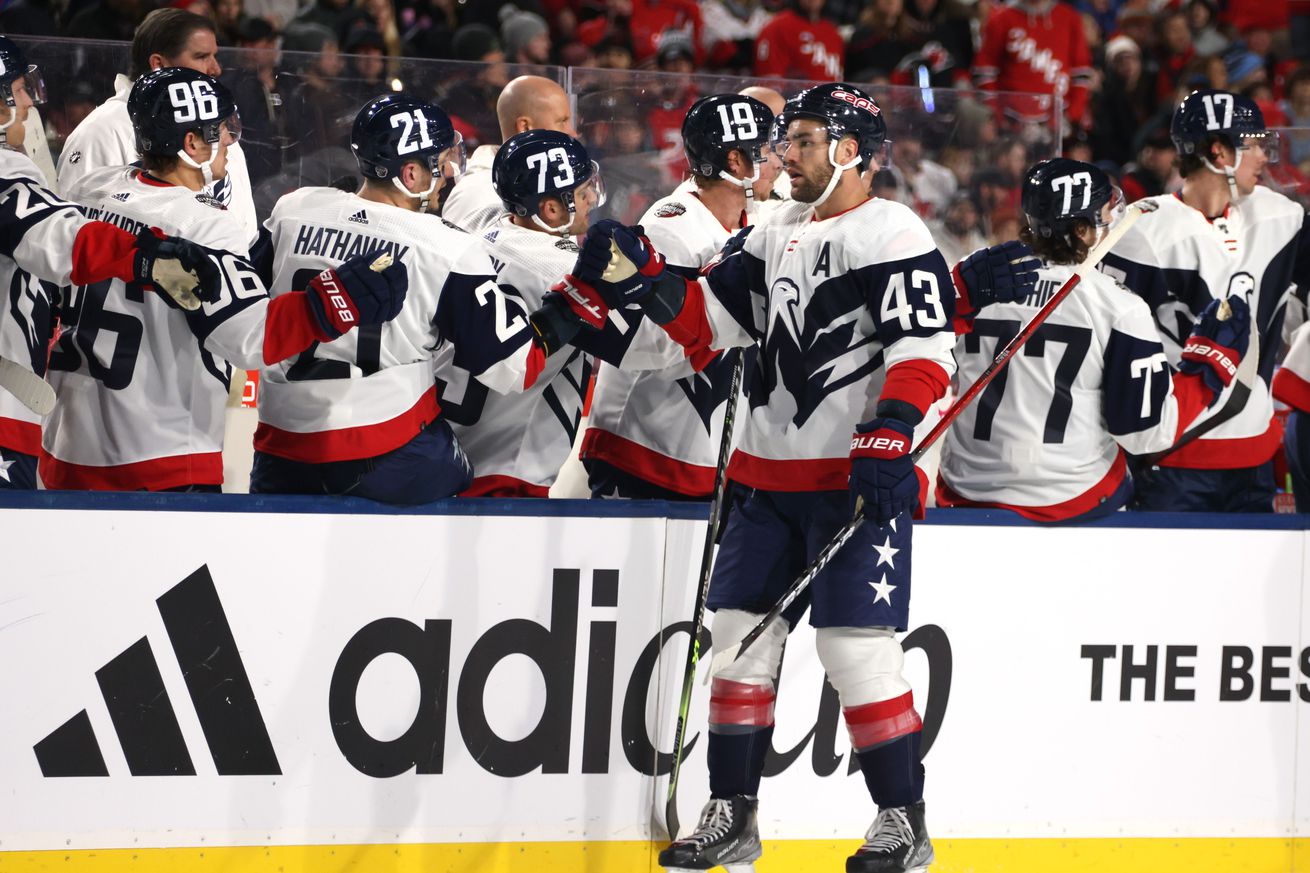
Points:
x=823 y=263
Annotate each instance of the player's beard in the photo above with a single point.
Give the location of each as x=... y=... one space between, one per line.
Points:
x=806 y=190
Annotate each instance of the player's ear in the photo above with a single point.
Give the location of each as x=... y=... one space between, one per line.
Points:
x=552 y=210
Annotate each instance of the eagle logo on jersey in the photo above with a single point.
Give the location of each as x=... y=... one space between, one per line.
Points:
x=670 y=210
x=813 y=352
x=1241 y=285
x=708 y=389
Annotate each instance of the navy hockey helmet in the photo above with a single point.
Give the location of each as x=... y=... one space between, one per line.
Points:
x=1231 y=118
x=1059 y=191
x=846 y=111
x=718 y=125
x=392 y=130
x=167 y=104
x=14 y=69
x=537 y=164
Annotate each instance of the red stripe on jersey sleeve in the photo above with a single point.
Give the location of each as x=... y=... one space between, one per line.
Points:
x=1291 y=389
x=964 y=311
x=919 y=382
x=102 y=251
x=691 y=327
x=535 y=364
x=1193 y=396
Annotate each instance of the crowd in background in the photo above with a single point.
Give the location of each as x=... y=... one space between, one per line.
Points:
x=1114 y=68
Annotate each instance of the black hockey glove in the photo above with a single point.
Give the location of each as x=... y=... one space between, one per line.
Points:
x=882 y=471
x=1217 y=345
x=183 y=273
x=367 y=289
x=1001 y=274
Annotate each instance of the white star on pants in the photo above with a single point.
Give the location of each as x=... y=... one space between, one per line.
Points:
x=4 y=469
x=886 y=553
x=884 y=590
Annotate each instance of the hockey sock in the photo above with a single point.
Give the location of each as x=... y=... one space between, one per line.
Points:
x=741 y=731
x=886 y=737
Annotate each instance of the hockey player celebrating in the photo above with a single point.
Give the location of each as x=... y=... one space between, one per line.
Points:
x=655 y=434
x=361 y=415
x=142 y=387
x=1047 y=437
x=1220 y=236
x=849 y=305
x=517 y=443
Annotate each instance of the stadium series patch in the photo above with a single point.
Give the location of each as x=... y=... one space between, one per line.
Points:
x=670 y=210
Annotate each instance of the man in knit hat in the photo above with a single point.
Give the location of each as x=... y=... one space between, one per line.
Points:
x=525 y=35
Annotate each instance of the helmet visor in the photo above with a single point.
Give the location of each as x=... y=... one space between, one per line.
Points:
x=231 y=128
x=453 y=157
x=1266 y=140
x=35 y=85
x=593 y=188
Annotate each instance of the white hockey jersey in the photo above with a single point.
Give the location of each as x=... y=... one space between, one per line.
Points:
x=1178 y=261
x=844 y=312
x=374 y=389
x=141 y=387
x=1292 y=380
x=473 y=203
x=1046 y=438
x=105 y=139
x=665 y=426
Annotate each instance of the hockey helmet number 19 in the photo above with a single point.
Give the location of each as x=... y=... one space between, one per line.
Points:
x=718 y=125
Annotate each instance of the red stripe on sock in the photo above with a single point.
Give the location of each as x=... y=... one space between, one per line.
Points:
x=740 y=703
x=875 y=723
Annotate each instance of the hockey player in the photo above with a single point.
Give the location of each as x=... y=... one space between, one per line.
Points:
x=361 y=415
x=1292 y=386
x=142 y=387
x=656 y=434
x=526 y=103
x=1047 y=437
x=849 y=305
x=105 y=138
x=1220 y=236
x=46 y=243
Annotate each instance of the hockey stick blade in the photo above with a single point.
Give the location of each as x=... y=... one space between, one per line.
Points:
x=31 y=390
x=726 y=656
x=1240 y=392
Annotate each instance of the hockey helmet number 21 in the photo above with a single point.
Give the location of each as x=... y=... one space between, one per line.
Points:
x=395 y=129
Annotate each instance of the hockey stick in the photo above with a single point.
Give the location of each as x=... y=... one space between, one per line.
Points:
x=31 y=390
x=1241 y=392
x=725 y=657
x=702 y=593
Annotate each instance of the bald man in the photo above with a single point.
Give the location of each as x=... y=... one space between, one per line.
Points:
x=526 y=103
x=769 y=194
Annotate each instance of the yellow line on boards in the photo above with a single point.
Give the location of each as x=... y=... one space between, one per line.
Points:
x=1272 y=855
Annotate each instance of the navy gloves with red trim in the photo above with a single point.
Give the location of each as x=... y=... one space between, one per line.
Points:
x=637 y=267
x=882 y=471
x=358 y=293
x=1000 y=274
x=1217 y=345
x=154 y=248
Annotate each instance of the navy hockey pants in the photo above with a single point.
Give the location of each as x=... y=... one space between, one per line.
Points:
x=772 y=535
x=429 y=467
x=1296 y=439
x=17 y=471
x=1180 y=489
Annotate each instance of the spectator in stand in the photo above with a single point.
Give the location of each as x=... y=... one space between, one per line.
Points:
x=379 y=16
x=1037 y=47
x=367 y=67
x=1299 y=24
x=614 y=51
x=525 y=36
x=318 y=115
x=1137 y=22
x=107 y=19
x=884 y=35
x=730 y=29
x=1245 y=68
x=1126 y=101
x=957 y=234
x=644 y=22
x=471 y=101
x=1206 y=37
x=1152 y=173
x=329 y=13
x=800 y=44
x=1175 y=53
x=227 y=21
x=254 y=87
x=30 y=17
x=930 y=185
x=674 y=96
x=278 y=13
x=1296 y=106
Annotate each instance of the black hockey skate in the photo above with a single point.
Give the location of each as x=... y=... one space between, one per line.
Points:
x=727 y=836
x=897 y=842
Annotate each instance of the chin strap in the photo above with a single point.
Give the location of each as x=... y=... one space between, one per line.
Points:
x=561 y=230
x=838 y=169
x=1229 y=173
x=748 y=185
x=423 y=197
x=206 y=168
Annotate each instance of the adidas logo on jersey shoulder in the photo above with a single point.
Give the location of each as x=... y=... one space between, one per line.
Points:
x=567 y=245
x=490 y=236
x=210 y=200
x=122 y=196
x=670 y=210
x=360 y=217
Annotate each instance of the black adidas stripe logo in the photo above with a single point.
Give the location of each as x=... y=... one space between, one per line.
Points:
x=360 y=217
x=143 y=715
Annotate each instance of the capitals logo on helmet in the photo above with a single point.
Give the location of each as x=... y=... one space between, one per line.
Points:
x=1059 y=191
x=393 y=130
x=165 y=105
x=718 y=125
x=536 y=164
x=845 y=111
x=1208 y=115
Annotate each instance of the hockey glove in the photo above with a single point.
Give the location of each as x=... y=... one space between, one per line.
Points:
x=584 y=301
x=181 y=272
x=1217 y=345
x=1001 y=274
x=619 y=262
x=882 y=471
x=367 y=289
